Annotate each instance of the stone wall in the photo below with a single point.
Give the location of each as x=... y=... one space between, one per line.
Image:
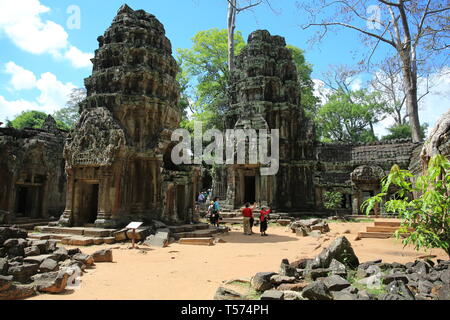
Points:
x=32 y=177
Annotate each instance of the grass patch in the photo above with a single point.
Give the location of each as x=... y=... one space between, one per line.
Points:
x=353 y=279
x=248 y=292
x=352 y=220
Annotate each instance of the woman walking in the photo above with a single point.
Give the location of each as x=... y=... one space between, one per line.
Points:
x=264 y=220
x=247 y=213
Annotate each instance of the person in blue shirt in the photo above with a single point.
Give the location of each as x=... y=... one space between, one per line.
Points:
x=215 y=214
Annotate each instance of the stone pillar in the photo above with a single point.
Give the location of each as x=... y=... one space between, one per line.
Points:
x=66 y=218
x=104 y=215
x=44 y=197
x=357 y=196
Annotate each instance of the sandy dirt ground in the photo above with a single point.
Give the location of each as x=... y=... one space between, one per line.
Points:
x=181 y=272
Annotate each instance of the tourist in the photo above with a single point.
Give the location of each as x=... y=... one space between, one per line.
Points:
x=209 y=212
x=247 y=213
x=216 y=212
x=264 y=220
x=201 y=198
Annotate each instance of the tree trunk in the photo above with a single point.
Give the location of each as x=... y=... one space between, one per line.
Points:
x=410 y=87
x=231 y=27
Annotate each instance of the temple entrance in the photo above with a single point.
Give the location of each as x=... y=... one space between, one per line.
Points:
x=250 y=189
x=180 y=202
x=28 y=201
x=87 y=203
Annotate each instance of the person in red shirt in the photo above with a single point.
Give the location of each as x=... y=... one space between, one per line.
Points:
x=264 y=220
x=247 y=213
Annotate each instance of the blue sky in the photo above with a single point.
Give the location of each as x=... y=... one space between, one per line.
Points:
x=42 y=58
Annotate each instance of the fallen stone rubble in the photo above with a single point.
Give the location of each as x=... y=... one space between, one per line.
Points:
x=29 y=267
x=310 y=227
x=337 y=274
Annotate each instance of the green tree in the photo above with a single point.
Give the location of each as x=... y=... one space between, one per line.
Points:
x=332 y=200
x=350 y=117
x=28 y=119
x=416 y=30
x=304 y=70
x=70 y=114
x=403 y=131
x=32 y=119
x=425 y=217
x=205 y=64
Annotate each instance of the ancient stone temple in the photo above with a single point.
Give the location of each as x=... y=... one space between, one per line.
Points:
x=356 y=170
x=32 y=178
x=265 y=94
x=118 y=157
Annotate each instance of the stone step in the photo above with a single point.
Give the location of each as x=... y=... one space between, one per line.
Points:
x=47 y=236
x=197 y=241
x=392 y=224
x=188 y=227
x=86 y=241
x=204 y=233
x=384 y=229
x=91 y=232
x=30 y=224
x=375 y=235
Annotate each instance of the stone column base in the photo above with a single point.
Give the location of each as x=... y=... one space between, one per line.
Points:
x=104 y=220
x=65 y=219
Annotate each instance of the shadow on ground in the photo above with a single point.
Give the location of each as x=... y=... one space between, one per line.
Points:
x=239 y=237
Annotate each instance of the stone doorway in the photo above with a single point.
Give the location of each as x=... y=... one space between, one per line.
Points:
x=28 y=201
x=250 y=189
x=181 y=202
x=86 y=203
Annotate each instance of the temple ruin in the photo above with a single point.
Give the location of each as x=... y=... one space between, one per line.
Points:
x=265 y=94
x=118 y=160
x=118 y=164
x=32 y=179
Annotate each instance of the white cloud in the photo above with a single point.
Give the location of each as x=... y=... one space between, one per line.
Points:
x=321 y=91
x=356 y=84
x=22 y=23
x=437 y=102
x=21 y=79
x=53 y=94
x=78 y=58
x=9 y=109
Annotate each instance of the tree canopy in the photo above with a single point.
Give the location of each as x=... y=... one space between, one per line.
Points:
x=33 y=119
x=204 y=76
x=350 y=117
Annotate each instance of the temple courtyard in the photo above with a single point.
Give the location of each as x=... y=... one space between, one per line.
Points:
x=180 y=272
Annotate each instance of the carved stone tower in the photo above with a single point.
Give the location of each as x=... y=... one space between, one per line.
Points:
x=265 y=93
x=118 y=157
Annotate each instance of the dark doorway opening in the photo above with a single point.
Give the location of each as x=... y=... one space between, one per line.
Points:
x=181 y=202
x=250 y=189
x=28 y=202
x=87 y=204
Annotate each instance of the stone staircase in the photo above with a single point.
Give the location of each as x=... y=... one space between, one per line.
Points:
x=87 y=236
x=381 y=230
x=200 y=230
x=74 y=236
x=28 y=223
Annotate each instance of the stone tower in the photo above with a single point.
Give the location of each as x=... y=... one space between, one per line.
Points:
x=118 y=157
x=265 y=93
